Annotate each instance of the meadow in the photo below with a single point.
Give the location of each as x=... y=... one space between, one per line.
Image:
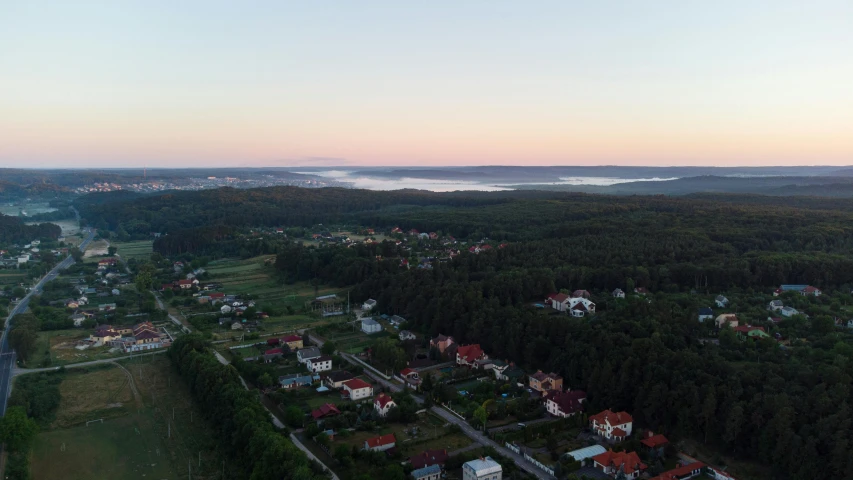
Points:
x=140 y=250
x=150 y=427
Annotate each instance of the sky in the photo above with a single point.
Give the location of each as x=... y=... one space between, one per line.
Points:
x=281 y=83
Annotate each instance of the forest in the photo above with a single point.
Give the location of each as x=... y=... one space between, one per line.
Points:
x=14 y=230
x=786 y=408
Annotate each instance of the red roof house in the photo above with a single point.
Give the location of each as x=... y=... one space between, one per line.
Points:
x=427 y=458
x=381 y=443
x=683 y=472
x=326 y=410
x=611 y=463
x=612 y=425
x=565 y=404
x=468 y=354
x=654 y=441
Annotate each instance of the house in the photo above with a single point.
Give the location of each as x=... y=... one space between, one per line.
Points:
x=187 y=284
x=273 y=354
x=642 y=291
x=410 y=376
x=428 y=458
x=721 y=301
x=748 y=331
x=441 y=342
x=683 y=472
x=306 y=354
x=789 y=311
x=801 y=289
x=468 y=354
x=432 y=472
x=565 y=404
x=381 y=443
x=107 y=262
x=368 y=305
x=612 y=463
x=775 y=305
x=618 y=293
x=383 y=403
x=559 y=301
x=705 y=313
x=107 y=307
x=72 y=304
x=483 y=364
x=578 y=307
x=236 y=326
x=396 y=320
x=580 y=294
x=654 y=442
x=543 y=382
x=325 y=411
x=337 y=378
x=369 y=325
x=612 y=425
x=319 y=364
x=78 y=319
x=839 y=322
x=727 y=319
x=406 y=335
x=482 y=469
x=294 y=342
x=356 y=389
x=507 y=371
x=295 y=380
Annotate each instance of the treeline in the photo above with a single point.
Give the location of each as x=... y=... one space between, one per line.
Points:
x=33 y=402
x=241 y=422
x=13 y=230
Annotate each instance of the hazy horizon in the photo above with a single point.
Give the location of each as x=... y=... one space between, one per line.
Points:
x=200 y=84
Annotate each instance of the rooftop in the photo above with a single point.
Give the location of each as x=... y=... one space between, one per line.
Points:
x=483 y=466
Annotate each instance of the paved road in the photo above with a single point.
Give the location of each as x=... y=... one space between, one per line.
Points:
x=23 y=371
x=7 y=355
x=302 y=447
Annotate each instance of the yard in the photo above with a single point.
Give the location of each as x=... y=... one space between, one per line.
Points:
x=156 y=431
x=140 y=250
x=57 y=347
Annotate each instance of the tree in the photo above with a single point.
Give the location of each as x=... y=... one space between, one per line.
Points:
x=17 y=430
x=144 y=277
x=393 y=472
x=111 y=250
x=481 y=416
x=328 y=348
x=294 y=416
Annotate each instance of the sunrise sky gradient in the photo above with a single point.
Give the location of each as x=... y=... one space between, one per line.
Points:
x=276 y=83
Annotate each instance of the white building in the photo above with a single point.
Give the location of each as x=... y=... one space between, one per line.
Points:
x=482 y=469
x=319 y=364
x=721 y=301
x=789 y=311
x=406 y=335
x=357 y=389
x=369 y=325
x=618 y=293
x=368 y=305
x=305 y=355
x=383 y=403
x=432 y=472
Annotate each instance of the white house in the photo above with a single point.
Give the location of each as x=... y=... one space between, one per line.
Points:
x=369 y=325
x=381 y=443
x=357 y=389
x=775 y=305
x=383 y=403
x=618 y=293
x=407 y=335
x=319 y=364
x=705 y=313
x=565 y=404
x=368 y=305
x=612 y=425
x=482 y=469
x=432 y=472
x=721 y=301
x=576 y=306
x=727 y=318
x=789 y=311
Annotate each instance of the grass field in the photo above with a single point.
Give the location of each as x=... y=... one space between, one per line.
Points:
x=140 y=250
x=97 y=248
x=11 y=277
x=56 y=347
x=156 y=433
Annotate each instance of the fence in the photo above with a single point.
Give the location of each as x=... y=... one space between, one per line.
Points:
x=539 y=464
x=353 y=357
x=513 y=447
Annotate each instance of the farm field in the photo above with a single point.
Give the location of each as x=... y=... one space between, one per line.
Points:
x=140 y=250
x=11 y=277
x=97 y=248
x=156 y=432
x=30 y=208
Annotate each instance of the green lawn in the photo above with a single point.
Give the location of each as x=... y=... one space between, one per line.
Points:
x=140 y=250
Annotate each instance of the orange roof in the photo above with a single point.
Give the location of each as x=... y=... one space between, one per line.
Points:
x=680 y=472
x=381 y=440
x=470 y=352
x=655 y=441
x=629 y=461
x=618 y=432
x=383 y=399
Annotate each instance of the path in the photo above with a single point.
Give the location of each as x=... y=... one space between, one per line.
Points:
x=473 y=446
x=23 y=371
x=162 y=306
x=136 y=396
x=310 y=455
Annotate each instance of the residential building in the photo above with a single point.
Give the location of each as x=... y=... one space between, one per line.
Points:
x=580 y=294
x=369 y=325
x=337 y=378
x=585 y=453
x=618 y=293
x=466 y=355
x=729 y=319
x=565 y=404
x=721 y=301
x=306 y=354
x=368 y=305
x=801 y=289
x=273 y=354
x=482 y=469
x=441 y=342
x=325 y=411
x=396 y=320
x=292 y=341
x=543 y=382
x=748 y=331
x=407 y=335
x=411 y=377
x=612 y=463
x=683 y=472
x=383 y=403
x=322 y=363
x=508 y=372
x=356 y=389
x=295 y=380
x=788 y=311
x=651 y=441
x=381 y=443
x=611 y=425
x=428 y=458
x=705 y=313
x=484 y=364
x=432 y=472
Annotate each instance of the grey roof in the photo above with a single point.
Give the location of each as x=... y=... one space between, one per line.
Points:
x=485 y=466
x=423 y=472
x=309 y=352
x=721 y=298
x=369 y=321
x=705 y=311
x=588 y=452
